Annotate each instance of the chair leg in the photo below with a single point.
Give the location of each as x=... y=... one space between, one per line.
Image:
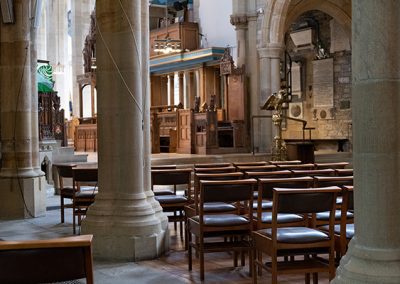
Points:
x=73 y=220
x=62 y=208
x=315 y=278
x=307 y=278
x=274 y=269
x=201 y=252
x=254 y=265
x=189 y=244
x=259 y=257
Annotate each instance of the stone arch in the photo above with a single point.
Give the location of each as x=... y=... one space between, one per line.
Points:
x=277 y=17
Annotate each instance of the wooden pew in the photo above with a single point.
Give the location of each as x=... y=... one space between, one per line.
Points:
x=46 y=261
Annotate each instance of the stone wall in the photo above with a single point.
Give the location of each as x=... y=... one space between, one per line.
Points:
x=335 y=123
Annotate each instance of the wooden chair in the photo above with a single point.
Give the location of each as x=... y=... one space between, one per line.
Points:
x=344 y=231
x=264 y=204
x=271 y=174
x=338 y=165
x=46 y=261
x=66 y=192
x=82 y=199
x=280 y=241
x=321 y=218
x=215 y=228
x=311 y=173
x=174 y=203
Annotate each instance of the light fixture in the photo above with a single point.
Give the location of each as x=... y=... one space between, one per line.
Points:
x=167 y=45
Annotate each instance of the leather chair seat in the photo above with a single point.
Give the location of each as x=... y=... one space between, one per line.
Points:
x=339 y=200
x=86 y=194
x=297 y=235
x=67 y=192
x=218 y=207
x=349 y=230
x=265 y=205
x=222 y=220
x=324 y=216
x=163 y=192
x=266 y=217
x=170 y=199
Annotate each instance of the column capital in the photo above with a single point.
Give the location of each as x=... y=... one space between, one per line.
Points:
x=239 y=21
x=273 y=50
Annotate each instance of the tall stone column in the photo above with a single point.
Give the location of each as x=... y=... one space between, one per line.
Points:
x=269 y=83
x=240 y=23
x=123 y=221
x=171 y=89
x=22 y=186
x=181 y=88
x=146 y=123
x=374 y=252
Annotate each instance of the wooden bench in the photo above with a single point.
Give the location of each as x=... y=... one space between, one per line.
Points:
x=46 y=261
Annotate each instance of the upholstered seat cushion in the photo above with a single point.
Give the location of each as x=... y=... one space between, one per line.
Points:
x=339 y=200
x=349 y=230
x=297 y=235
x=265 y=205
x=163 y=192
x=266 y=217
x=219 y=220
x=169 y=199
x=218 y=207
x=324 y=216
x=86 y=194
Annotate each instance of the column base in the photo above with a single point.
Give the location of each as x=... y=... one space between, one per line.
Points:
x=14 y=192
x=126 y=228
x=368 y=265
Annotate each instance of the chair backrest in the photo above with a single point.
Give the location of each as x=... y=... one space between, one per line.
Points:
x=338 y=165
x=226 y=169
x=264 y=168
x=163 y=167
x=344 y=172
x=46 y=261
x=260 y=163
x=64 y=171
x=311 y=173
x=226 y=190
x=323 y=181
x=172 y=177
x=297 y=167
x=272 y=174
x=266 y=185
x=290 y=162
x=304 y=200
x=212 y=165
x=348 y=198
x=85 y=175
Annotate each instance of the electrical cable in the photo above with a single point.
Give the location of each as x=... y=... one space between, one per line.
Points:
x=15 y=133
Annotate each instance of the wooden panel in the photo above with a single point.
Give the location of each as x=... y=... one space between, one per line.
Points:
x=236 y=97
x=86 y=138
x=185 y=131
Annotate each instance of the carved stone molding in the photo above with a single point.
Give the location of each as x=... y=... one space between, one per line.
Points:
x=239 y=21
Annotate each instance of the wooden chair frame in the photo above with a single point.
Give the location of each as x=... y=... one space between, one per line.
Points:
x=239 y=234
x=268 y=242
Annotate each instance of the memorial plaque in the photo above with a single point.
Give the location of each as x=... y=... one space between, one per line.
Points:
x=323 y=82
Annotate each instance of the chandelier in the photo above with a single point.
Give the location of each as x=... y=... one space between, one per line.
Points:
x=167 y=45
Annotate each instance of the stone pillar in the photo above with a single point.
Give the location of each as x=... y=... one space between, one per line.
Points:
x=269 y=83
x=22 y=186
x=123 y=221
x=171 y=89
x=240 y=23
x=146 y=123
x=181 y=88
x=374 y=252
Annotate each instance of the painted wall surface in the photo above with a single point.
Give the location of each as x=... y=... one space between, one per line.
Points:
x=215 y=26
